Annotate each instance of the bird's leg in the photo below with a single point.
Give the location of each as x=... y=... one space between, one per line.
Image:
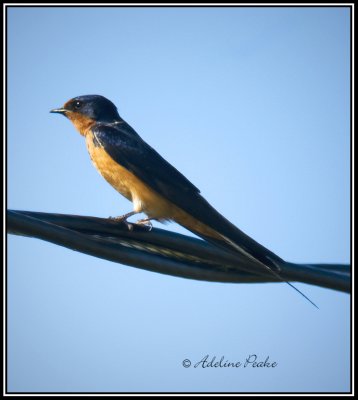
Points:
x=123 y=219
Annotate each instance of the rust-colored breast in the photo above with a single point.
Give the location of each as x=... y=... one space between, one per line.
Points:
x=143 y=198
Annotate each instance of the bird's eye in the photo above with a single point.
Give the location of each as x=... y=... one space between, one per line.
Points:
x=78 y=105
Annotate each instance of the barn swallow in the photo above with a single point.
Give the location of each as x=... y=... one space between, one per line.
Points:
x=154 y=186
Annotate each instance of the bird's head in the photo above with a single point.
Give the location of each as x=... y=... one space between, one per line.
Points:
x=85 y=111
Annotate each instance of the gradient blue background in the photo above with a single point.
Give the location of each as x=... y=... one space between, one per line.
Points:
x=252 y=105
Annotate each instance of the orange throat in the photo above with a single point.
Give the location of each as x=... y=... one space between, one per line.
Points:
x=81 y=122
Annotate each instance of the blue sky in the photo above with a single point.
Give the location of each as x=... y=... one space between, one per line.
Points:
x=252 y=105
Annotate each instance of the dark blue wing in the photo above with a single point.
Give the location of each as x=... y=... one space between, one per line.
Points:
x=127 y=148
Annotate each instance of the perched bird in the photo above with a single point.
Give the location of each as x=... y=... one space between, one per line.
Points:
x=154 y=186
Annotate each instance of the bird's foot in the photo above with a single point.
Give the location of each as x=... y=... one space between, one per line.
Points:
x=145 y=222
x=123 y=219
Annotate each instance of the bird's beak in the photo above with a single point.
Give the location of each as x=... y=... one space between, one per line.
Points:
x=59 y=111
